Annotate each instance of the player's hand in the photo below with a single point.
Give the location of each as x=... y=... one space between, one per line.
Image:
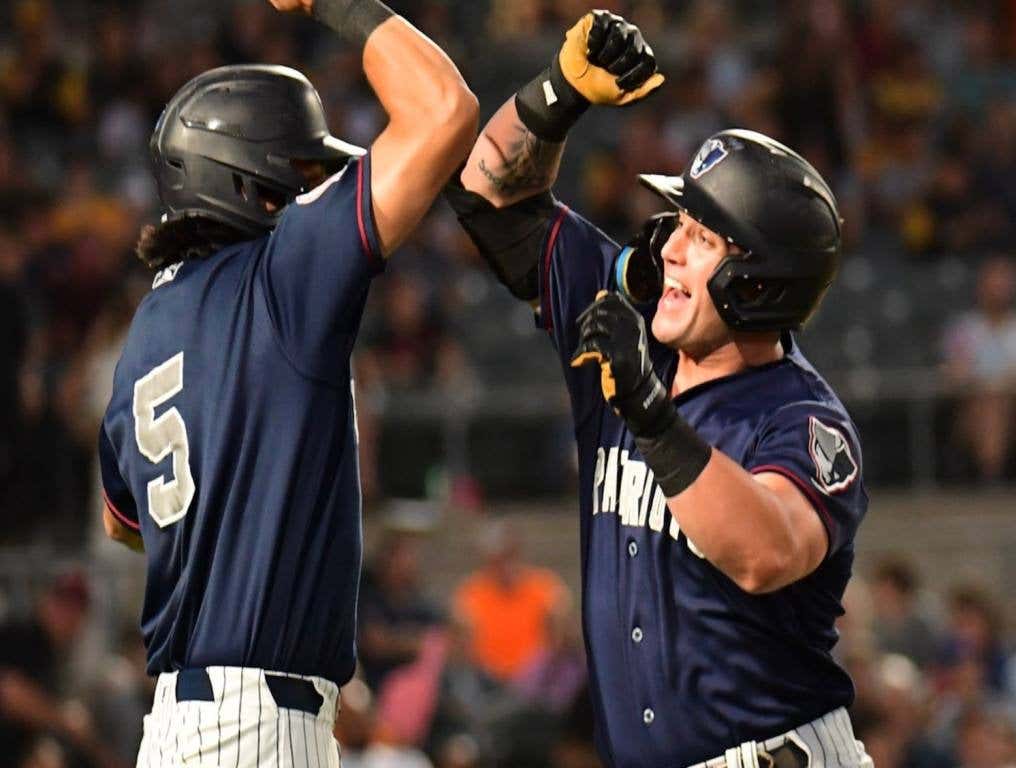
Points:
x=607 y=60
x=290 y=6
x=639 y=267
x=613 y=335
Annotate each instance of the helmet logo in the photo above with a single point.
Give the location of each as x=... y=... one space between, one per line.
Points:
x=708 y=157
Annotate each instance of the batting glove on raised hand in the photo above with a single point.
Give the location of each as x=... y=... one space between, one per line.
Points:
x=608 y=61
x=613 y=335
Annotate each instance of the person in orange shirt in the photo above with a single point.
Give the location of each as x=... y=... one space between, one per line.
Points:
x=505 y=604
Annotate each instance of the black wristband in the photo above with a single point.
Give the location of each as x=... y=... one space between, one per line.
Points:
x=647 y=411
x=353 y=20
x=548 y=104
x=677 y=456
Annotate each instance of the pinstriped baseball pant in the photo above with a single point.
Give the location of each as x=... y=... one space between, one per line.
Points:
x=242 y=726
x=827 y=741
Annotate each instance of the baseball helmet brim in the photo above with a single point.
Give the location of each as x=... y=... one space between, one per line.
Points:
x=326 y=148
x=689 y=197
x=333 y=147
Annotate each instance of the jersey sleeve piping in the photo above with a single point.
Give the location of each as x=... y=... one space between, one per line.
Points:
x=546 y=298
x=810 y=493
x=366 y=232
x=365 y=219
x=113 y=484
x=132 y=524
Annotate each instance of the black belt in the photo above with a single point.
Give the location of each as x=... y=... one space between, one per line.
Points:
x=288 y=692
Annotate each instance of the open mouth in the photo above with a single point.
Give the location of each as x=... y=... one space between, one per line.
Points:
x=674 y=292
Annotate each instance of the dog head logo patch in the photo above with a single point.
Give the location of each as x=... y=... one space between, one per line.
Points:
x=835 y=466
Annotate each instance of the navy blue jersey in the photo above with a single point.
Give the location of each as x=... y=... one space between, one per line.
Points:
x=230 y=443
x=684 y=664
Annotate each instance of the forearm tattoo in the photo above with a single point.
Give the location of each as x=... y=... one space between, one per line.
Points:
x=526 y=163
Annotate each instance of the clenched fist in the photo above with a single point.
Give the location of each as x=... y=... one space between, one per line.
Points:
x=606 y=59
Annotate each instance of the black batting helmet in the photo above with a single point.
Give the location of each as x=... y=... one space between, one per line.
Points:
x=770 y=202
x=224 y=144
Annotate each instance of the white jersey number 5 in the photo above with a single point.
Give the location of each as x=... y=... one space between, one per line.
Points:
x=158 y=437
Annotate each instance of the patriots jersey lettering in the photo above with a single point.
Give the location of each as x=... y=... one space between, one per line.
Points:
x=229 y=443
x=632 y=494
x=683 y=663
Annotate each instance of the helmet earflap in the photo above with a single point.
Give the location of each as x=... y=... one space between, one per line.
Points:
x=770 y=202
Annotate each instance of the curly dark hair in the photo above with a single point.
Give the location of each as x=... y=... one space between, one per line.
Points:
x=193 y=237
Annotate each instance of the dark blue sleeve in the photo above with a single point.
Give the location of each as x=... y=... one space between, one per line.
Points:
x=576 y=263
x=316 y=270
x=816 y=447
x=117 y=495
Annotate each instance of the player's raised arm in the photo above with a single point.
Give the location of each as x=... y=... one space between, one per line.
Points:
x=501 y=198
x=604 y=60
x=432 y=114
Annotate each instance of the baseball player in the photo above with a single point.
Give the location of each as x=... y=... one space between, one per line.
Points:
x=228 y=451
x=720 y=477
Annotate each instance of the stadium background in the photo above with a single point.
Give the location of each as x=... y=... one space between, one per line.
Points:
x=907 y=107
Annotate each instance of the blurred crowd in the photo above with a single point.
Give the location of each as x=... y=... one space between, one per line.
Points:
x=935 y=674
x=493 y=673
x=906 y=106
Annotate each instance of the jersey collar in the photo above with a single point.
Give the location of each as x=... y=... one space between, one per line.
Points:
x=790 y=355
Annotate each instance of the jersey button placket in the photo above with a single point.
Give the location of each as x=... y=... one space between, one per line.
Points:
x=648 y=716
x=636 y=635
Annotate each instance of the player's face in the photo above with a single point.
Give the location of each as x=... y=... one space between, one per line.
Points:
x=686 y=317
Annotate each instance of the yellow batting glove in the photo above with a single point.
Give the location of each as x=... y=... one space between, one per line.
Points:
x=607 y=60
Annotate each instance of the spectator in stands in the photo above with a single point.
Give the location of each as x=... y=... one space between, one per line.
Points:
x=394 y=615
x=411 y=343
x=980 y=365
x=13 y=343
x=365 y=740
x=354 y=721
x=985 y=738
x=506 y=605
x=540 y=700
x=901 y=626
x=459 y=752
x=903 y=696
x=815 y=85
x=469 y=701
x=969 y=206
x=993 y=158
x=949 y=218
x=574 y=745
x=973 y=656
x=47 y=754
x=123 y=695
x=856 y=645
x=33 y=654
x=511 y=19
x=556 y=675
x=38 y=86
